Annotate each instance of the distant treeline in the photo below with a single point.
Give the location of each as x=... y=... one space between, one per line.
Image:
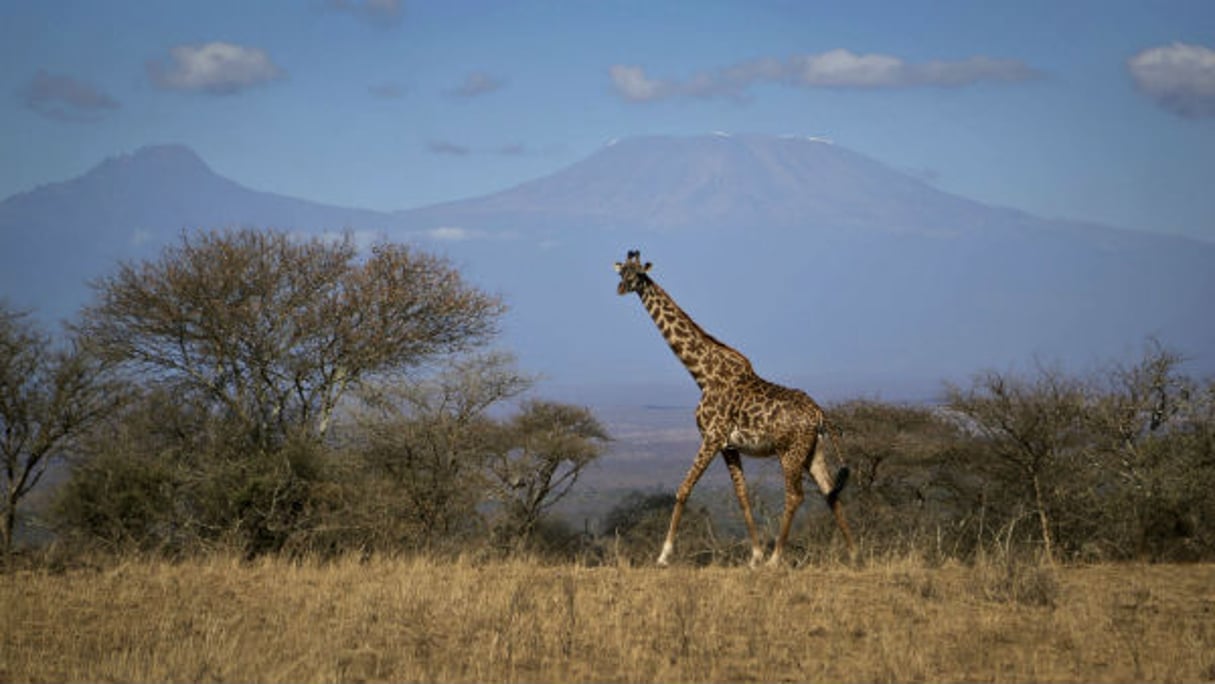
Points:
x=252 y=391
x=1117 y=464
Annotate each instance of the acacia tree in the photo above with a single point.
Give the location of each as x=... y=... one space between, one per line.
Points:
x=48 y=398
x=1033 y=426
x=912 y=483
x=275 y=329
x=1151 y=455
x=431 y=439
x=893 y=448
x=545 y=449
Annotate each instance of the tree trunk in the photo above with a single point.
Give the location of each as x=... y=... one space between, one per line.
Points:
x=8 y=520
x=1043 y=518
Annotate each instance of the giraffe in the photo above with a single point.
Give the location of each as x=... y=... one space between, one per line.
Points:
x=739 y=413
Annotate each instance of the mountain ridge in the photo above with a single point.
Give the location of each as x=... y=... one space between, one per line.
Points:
x=814 y=260
x=128 y=206
x=646 y=181
x=862 y=271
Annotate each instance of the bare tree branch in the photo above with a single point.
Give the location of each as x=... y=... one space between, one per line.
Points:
x=48 y=398
x=276 y=329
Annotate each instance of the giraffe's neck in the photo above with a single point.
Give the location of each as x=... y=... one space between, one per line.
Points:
x=701 y=353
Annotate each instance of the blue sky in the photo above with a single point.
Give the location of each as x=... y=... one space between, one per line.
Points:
x=1099 y=110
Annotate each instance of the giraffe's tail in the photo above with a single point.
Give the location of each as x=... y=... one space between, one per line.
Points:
x=838 y=483
x=830 y=431
x=841 y=479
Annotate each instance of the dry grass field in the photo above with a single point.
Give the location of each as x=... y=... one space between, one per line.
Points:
x=406 y=620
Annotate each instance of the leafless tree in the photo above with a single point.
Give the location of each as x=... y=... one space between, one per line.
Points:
x=1135 y=404
x=48 y=397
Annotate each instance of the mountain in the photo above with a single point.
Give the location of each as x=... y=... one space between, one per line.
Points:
x=57 y=237
x=715 y=182
x=827 y=268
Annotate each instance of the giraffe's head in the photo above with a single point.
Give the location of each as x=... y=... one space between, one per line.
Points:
x=632 y=273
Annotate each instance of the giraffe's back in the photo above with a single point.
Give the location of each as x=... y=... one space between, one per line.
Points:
x=760 y=418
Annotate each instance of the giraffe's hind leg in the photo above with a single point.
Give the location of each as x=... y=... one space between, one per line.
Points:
x=793 y=463
x=830 y=487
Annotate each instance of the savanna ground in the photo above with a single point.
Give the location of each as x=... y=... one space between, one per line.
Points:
x=386 y=619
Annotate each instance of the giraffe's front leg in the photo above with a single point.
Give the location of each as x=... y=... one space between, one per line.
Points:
x=734 y=463
x=703 y=458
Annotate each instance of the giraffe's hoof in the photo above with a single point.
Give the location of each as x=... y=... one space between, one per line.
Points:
x=664 y=558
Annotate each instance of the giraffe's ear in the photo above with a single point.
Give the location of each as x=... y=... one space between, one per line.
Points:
x=647 y=266
x=619 y=266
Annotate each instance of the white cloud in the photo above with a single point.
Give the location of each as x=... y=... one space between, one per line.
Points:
x=846 y=69
x=838 y=68
x=843 y=68
x=453 y=233
x=64 y=98
x=461 y=234
x=363 y=240
x=633 y=85
x=1179 y=77
x=216 y=68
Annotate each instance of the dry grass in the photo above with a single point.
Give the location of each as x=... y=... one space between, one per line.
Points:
x=401 y=620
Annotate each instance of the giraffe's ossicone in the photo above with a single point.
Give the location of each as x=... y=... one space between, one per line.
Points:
x=739 y=413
